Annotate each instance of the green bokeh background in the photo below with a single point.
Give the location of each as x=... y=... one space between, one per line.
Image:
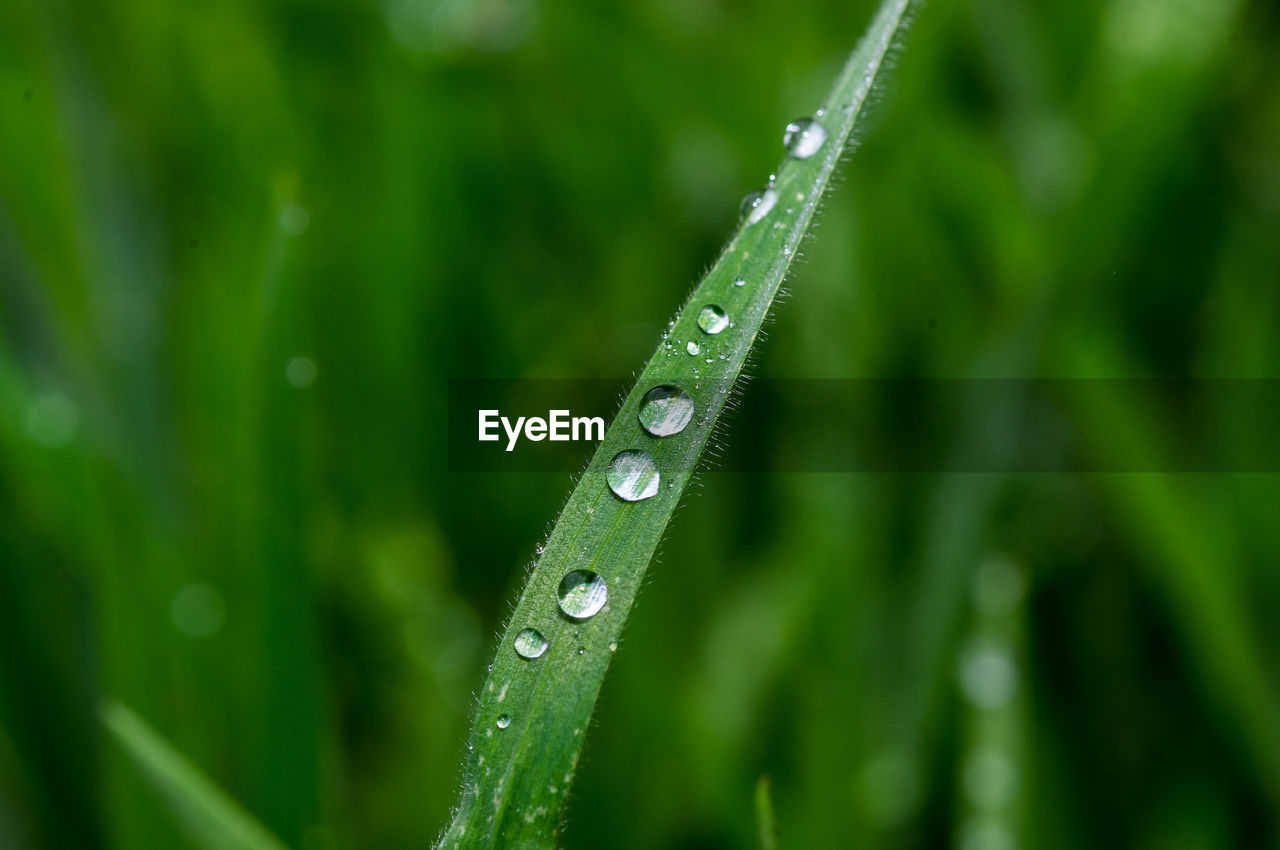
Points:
x=288 y=583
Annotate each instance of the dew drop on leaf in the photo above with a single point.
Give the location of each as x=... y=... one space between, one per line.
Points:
x=803 y=138
x=530 y=643
x=757 y=204
x=633 y=475
x=988 y=675
x=503 y=721
x=665 y=411
x=712 y=319
x=739 y=282
x=582 y=594
x=693 y=348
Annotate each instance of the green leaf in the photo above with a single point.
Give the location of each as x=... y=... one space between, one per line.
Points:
x=766 y=821
x=210 y=817
x=532 y=714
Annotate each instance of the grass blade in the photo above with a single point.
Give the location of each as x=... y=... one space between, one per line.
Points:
x=766 y=821
x=209 y=816
x=532 y=714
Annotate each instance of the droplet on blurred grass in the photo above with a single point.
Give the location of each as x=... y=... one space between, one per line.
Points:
x=301 y=372
x=990 y=778
x=712 y=319
x=582 y=594
x=756 y=205
x=52 y=420
x=633 y=475
x=985 y=832
x=890 y=787
x=998 y=586
x=198 y=610
x=503 y=721
x=665 y=410
x=803 y=138
x=988 y=677
x=294 y=220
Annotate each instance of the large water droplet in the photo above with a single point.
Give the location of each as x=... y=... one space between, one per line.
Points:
x=503 y=721
x=757 y=204
x=665 y=411
x=739 y=282
x=530 y=643
x=804 y=137
x=633 y=475
x=693 y=348
x=582 y=594
x=712 y=319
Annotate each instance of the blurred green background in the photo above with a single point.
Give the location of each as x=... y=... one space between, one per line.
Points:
x=244 y=245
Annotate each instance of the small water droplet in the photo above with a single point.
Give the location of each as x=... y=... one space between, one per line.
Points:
x=294 y=220
x=712 y=319
x=300 y=372
x=540 y=548
x=582 y=594
x=998 y=587
x=693 y=348
x=503 y=721
x=613 y=646
x=530 y=643
x=739 y=282
x=632 y=475
x=665 y=411
x=198 y=610
x=581 y=651
x=990 y=778
x=757 y=204
x=803 y=138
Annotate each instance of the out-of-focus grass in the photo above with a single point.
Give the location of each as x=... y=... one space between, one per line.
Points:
x=287 y=583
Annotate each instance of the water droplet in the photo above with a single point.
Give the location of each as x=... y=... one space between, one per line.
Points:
x=739 y=282
x=693 y=348
x=530 y=643
x=804 y=137
x=990 y=778
x=613 y=646
x=757 y=204
x=985 y=832
x=542 y=547
x=712 y=319
x=665 y=411
x=294 y=220
x=581 y=651
x=503 y=721
x=300 y=372
x=198 y=610
x=582 y=594
x=52 y=420
x=998 y=587
x=633 y=475
x=988 y=676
